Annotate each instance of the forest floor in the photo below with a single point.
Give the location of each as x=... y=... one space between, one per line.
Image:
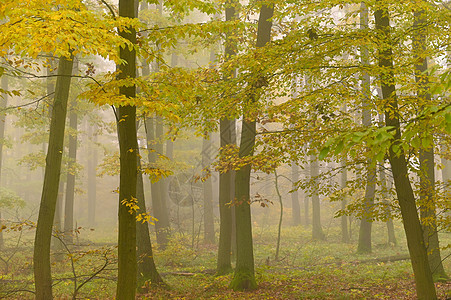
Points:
x=306 y=269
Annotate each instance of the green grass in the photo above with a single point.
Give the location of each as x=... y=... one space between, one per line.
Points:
x=306 y=269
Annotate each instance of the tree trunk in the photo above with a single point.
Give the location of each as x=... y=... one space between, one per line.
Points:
x=244 y=277
x=279 y=228
x=317 y=230
x=414 y=233
x=92 y=178
x=224 y=265
x=427 y=166
x=3 y=104
x=385 y=195
x=70 y=185
x=295 y=208
x=148 y=275
x=226 y=179
x=366 y=222
x=128 y=145
x=158 y=209
x=209 y=228
x=41 y=257
x=154 y=136
x=345 y=238
x=57 y=243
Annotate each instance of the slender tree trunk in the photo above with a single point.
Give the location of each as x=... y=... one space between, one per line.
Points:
x=57 y=245
x=92 y=178
x=244 y=277
x=414 y=233
x=345 y=237
x=128 y=145
x=224 y=265
x=279 y=228
x=158 y=209
x=153 y=148
x=306 y=211
x=70 y=185
x=226 y=179
x=232 y=191
x=154 y=136
x=3 y=104
x=427 y=166
x=159 y=136
x=296 y=210
x=317 y=230
x=41 y=257
x=385 y=195
x=148 y=275
x=366 y=222
x=209 y=229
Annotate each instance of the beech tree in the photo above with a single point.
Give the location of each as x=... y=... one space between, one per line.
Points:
x=3 y=103
x=128 y=145
x=226 y=178
x=406 y=198
x=428 y=206
x=244 y=278
x=41 y=258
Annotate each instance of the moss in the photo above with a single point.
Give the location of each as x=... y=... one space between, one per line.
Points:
x=243 y=281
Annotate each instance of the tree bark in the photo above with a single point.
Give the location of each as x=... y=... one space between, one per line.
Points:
x=3 y=104
x=41 y=256
x=226 y=179
x=385 y=195
x=70 y=185
x=158 y=209
x=224 y=264
x=148 y=275
x=366 y=222
x=128 y=147
x=92 y=178
x=279 y=227
x=295 y=208
x=209 y=228
x=317 y=230
x=345 y=238
x=428 y=207
x=244 y=277
x=423 y=278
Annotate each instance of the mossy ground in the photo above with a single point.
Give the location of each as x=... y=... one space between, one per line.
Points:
x=306 y=269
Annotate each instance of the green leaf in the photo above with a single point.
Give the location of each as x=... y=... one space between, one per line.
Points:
x=323 y=153
x=415 y=142
x=448 y=118
x=396 y=149
x=339 y=148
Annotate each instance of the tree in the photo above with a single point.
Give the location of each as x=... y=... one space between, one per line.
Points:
x=345 y=236
x=279 y=229
x=3 y=103
x=71 y=171
x=244 y=277
x=209 y=229
x=414 y=233
x=147 y=271
x=426 y=156
x=366 y=221
x=41 y=257
x=388 y=214
x=154 y=135
x=226 y=177
x=317 y=230
x=92 y=178
x=128 y=146
x=296 y=211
